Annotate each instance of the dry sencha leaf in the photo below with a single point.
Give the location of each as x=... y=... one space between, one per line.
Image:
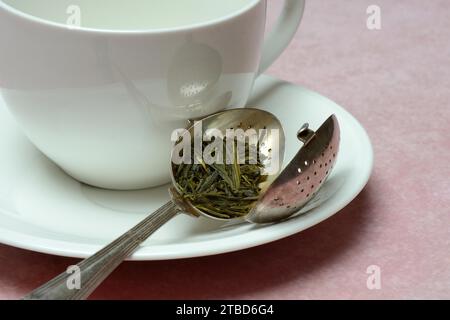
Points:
x=221 y=190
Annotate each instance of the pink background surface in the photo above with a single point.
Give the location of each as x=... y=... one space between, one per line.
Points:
x=396 y=81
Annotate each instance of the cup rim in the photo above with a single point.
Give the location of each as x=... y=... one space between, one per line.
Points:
x=188 y=27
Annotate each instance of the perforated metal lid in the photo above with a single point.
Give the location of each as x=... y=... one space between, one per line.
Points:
x=302 y=178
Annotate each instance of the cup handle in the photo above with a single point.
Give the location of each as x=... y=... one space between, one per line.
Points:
x=280 y=37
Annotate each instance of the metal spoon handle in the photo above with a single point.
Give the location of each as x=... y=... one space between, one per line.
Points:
x=95 y=269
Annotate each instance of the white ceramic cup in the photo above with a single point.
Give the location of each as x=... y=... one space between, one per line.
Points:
x=99 y=86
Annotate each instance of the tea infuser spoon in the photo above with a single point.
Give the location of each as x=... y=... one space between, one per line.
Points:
x=282 y=197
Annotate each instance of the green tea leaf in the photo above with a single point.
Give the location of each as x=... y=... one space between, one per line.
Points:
x=222 y=190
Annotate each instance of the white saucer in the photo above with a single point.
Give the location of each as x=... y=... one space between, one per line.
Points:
x=42 y=209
